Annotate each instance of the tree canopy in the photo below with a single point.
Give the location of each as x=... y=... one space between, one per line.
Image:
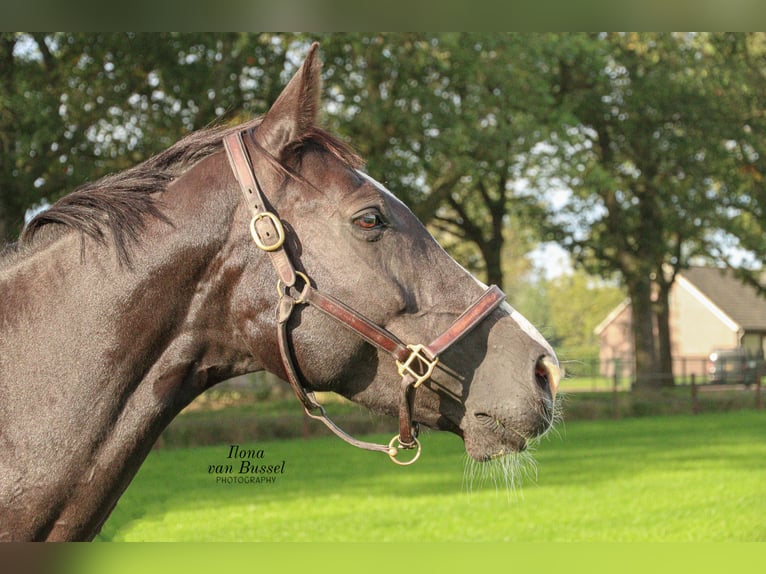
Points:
x=76 y=106
x=638 y=153
x=656 y=154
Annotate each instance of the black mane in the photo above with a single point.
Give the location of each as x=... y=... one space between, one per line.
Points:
x=117 y=205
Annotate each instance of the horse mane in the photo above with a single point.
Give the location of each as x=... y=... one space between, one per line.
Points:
x=118 y=204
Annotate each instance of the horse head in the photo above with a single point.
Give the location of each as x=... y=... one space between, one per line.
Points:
x=346 y=235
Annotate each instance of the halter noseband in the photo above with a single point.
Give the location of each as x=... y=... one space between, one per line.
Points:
x=415 y=363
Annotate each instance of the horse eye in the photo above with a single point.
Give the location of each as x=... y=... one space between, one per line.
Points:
x=369 y=220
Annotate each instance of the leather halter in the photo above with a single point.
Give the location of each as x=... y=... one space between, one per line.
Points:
x=415 y=363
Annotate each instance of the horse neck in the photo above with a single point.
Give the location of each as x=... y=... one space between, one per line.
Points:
x=96 y=358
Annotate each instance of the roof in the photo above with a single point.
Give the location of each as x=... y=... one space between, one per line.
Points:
x=736 y=303
x=739 y=301
x=611 y=317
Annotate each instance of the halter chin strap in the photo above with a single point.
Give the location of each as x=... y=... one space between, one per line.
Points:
x=415 y=363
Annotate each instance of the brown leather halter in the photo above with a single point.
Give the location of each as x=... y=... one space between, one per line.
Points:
x=415 y=363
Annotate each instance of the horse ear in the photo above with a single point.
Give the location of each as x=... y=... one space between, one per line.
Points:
x=295 y=110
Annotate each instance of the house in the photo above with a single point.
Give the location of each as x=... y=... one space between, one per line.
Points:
x=709 y=309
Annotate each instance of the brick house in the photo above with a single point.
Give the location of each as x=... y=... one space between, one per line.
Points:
x=709 y=309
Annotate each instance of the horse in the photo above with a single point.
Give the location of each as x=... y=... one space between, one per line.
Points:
x=134 y=294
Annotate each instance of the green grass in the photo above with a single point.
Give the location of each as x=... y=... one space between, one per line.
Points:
x=679 y=478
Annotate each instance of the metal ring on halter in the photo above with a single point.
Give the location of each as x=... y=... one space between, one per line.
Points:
x=277 y=226
x=281 y=291
x=393 y=451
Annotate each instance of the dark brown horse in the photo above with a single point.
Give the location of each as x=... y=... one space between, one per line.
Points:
x=134 y=294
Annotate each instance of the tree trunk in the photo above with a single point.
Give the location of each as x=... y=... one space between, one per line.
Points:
x=640 y=292
x=7 y=79
x=664 y=350
x=492 y=253
x=4 y=235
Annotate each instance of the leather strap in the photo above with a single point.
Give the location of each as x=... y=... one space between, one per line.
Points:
x=469 y=319
x=366 y=329
x=465 y=323
x=265 y=225
x=387 y=341
x=310 y=404
x=408 y=430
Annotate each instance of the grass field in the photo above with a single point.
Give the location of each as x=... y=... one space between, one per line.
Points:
x=678 y=478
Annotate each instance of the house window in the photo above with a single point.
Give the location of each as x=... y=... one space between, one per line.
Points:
x=753 y=343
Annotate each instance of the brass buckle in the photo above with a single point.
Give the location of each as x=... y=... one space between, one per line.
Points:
x=423 y=368
x=277 y=225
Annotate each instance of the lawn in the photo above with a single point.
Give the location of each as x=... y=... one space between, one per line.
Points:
x=680 y=478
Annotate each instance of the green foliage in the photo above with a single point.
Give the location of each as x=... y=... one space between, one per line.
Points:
x=578 y=304
x=653 y=479
x=655 y=152
x=567 y=309
x=75 y=106
x=638 y=152
x=653 y=122
x=446 y=121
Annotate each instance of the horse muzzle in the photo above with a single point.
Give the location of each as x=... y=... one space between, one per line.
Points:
x=504 y=413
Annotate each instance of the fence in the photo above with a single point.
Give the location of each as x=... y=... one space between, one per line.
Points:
x=600 y=373
x=690 y=374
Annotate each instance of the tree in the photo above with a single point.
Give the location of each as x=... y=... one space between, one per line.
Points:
x=447 y=120
x=644 y=155
x=743 y=205
x=76 y=106
x=578 y=303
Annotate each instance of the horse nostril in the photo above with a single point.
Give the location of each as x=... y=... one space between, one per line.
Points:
x=548 y=374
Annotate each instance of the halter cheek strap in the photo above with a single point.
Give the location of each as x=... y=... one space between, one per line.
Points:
x=415 y=363
x=266 y=229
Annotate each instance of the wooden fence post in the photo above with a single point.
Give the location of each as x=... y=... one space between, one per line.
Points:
x=695 y=404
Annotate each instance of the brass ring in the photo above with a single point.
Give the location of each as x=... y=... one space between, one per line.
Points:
x=281 y=292
x=393 y=451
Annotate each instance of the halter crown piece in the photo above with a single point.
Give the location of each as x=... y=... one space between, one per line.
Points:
x=415 y=363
